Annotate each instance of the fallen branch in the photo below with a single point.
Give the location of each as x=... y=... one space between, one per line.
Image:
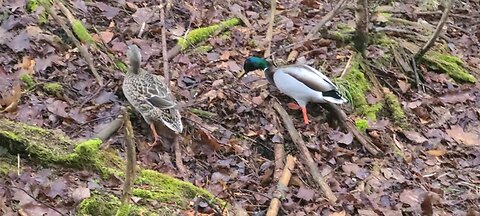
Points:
x=282 y=187
x=110 y=129
x=82 y=49
x=131 y=161
x=305 y=154
x=279 y=151
x=437 y=32
x=347 y=125
x=268 y=38
x=338 y=7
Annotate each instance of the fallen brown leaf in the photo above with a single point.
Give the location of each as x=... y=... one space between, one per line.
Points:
x=467 y=138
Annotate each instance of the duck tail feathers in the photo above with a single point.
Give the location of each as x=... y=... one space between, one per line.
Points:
x=333 y=96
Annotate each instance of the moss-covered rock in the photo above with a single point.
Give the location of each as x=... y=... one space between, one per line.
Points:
x=200 y=34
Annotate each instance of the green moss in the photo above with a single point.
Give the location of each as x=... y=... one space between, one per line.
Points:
x=383 y=40
x=121 y=66
x=395 y=108
x=355 y=86
x=53 y=88
x=28 y=80
x=361 y=124
x=202 y=49
x=8 y=162
x=200 y=34
x=164 y=188
x=124 y=210
x=32 y=5
x=82 y=32
x=99 y=204
x=226 y=35
x=450 y=65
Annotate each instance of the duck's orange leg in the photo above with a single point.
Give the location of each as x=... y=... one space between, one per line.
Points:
x=155 y=135
x=305 y=117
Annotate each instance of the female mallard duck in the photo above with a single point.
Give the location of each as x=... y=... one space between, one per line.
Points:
x=301 y=82
x=150 y=95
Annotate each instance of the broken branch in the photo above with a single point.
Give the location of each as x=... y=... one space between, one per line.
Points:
x=282 y=186
x=305 y=154
x=437 y=32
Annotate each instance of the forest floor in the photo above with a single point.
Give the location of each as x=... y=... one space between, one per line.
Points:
x=436 y=169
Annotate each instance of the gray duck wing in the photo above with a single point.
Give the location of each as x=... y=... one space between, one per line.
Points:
x=157 y=93
x=309 y=76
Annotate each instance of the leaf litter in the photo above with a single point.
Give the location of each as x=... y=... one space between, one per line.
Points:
x=230 y=152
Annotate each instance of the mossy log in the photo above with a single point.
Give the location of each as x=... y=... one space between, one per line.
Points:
x=52 y=149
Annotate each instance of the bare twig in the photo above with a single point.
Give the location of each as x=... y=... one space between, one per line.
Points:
x=279 y=151
x=437 y=32
x=83 y=50
x=282 y=186
x=305 y=154
x=131 y=158
x=338 y=7
x=178 y=156
x=319 y=26
x=268 y=38
x=166 y=72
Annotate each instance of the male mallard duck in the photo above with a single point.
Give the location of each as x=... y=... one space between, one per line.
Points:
x=301 y=82
x=150 y=95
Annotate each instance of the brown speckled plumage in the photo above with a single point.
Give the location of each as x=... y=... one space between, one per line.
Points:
x=150 y=95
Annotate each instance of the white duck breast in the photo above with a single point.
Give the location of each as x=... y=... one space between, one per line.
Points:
x=305 y=84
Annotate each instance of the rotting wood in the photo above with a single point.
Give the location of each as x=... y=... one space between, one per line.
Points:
x=305 y=154
x=282 y=186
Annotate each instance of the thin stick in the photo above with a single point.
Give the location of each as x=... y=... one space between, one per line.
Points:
x=282 y=186
x=305 y=154
x=268 y=38
x=178 y=156
x=83 y=50
x=325 y=19
x=131 y=158
x=437 y=32
x=144 y=23
x=279 y=151
x=319 y=26
x=166 y=72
